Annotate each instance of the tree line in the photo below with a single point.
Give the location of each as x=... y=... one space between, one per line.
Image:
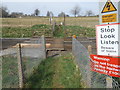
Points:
x=75 y=11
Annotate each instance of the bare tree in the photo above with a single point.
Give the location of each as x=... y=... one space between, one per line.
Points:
x=76 y=10
x=89 y=13
x=36 y=12
x=4 y=12
x=62 y=14
x=49 y=14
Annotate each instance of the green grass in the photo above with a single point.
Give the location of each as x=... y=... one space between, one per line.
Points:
x=69 y=31
x=22 y=32
x=59 y=31
x=42 y=29
x=9 y=72
x=58 y=72
x=16 y=32
x=29 y=64
x=79 y=31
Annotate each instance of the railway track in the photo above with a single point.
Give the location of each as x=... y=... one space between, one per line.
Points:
x=67 y=43
x=56 y=44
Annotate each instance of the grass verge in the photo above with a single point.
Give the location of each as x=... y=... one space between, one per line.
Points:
x=58 y=72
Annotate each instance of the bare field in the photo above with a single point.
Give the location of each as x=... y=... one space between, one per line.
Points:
x=30 y=21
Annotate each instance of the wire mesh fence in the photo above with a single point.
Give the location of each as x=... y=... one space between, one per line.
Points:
x=89 y=78
x=30 y=53
x=10 y=70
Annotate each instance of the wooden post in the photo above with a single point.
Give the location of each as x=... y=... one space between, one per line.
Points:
x=108 y=82
x=50 y=19
x=53 y=28
x=64 y=20
x=20 y=70
x=1 y=73
x=90 y=49
x=89 y=75
x=64 y=23
x=44 y=46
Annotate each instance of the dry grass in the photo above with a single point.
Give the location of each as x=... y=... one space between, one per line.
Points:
x=23 y=22
x=81 y=21
x=30 y=21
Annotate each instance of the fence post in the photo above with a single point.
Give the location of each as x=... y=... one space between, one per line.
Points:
x=53 y=28
x=1 y=73
x=90 y=49
x=20 y=70
x=64 y=20
x=73 y=44
x=108 y=82
x=44 y=46
x=50 y=19
x=89 y=68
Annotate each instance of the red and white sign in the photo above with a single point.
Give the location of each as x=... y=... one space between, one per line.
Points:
x=106 y=65
x=108 y=39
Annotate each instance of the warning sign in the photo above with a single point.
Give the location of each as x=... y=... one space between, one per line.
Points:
x=109 y=7
x=106 y=65
x=109 y=18
x=108 y=42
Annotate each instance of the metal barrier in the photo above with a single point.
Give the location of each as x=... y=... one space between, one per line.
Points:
x=90 y=79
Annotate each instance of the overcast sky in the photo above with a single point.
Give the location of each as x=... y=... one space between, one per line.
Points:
x=50 y=0
x=56 y=6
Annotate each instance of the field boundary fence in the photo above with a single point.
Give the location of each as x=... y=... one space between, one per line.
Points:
x=19 y=61
x=91 y=79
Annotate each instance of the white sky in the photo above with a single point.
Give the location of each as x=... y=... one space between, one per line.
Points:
x=56 y=6
x=58 y=0
x=50 y=0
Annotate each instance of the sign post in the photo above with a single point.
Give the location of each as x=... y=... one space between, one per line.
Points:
x=107 y=60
